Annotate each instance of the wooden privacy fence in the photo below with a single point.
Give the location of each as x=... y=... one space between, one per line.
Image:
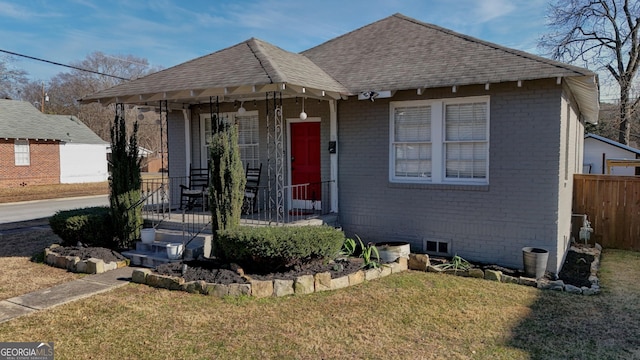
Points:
x=612 y=204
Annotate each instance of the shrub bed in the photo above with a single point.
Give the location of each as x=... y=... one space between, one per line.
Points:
x=265 y=249
x=90 y=226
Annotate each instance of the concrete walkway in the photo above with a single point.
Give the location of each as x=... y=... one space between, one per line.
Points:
x=63 y=293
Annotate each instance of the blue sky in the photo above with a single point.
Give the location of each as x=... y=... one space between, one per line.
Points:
x=168 y=32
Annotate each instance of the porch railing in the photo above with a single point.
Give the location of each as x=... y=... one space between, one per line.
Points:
x=303 y=203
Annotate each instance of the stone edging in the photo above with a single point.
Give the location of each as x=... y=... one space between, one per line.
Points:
x=421 y=262
x=305 y=284
x=74 y=264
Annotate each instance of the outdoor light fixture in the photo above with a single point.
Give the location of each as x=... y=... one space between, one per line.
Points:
x=242 y=110
x=303 y=115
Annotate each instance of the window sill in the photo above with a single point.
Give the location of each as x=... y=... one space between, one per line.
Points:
x=424 y=186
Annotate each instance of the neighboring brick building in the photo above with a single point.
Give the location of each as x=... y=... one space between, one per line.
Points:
x=39 y=149
x=454 y=144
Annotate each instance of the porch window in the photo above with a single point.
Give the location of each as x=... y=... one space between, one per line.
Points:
x=440 y=141
x=248 y=136
x=21 y=151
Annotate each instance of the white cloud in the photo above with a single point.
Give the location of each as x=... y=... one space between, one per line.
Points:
x=488 y=10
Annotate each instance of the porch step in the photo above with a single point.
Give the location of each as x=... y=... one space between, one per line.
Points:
x=153 y=254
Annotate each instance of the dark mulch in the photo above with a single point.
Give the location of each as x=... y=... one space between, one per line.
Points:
x=85 y=253
x=576 y=269
x=220 y=273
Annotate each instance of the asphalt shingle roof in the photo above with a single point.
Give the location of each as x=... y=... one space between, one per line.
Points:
x=252 y=62
x=398 y=53
x=21 y=120
x=395 y=53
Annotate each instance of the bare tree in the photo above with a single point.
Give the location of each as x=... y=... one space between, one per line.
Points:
x=602 y=33
x=66 y=88
x=11 y=79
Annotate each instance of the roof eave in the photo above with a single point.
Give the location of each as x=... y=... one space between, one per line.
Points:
x=585 y=90
x=227 y=93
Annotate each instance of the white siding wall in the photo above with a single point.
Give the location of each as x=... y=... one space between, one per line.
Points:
x=81 y=163
x=593 y=150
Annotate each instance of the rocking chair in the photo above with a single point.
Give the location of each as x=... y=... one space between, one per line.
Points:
x=195 y=193
x=251 y=189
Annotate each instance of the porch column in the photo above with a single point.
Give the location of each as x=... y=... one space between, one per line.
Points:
x=333 y=136
x=187 y=140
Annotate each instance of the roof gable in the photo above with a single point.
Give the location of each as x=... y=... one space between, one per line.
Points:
x=21 y=120
x=398 y=53
x=251 y=64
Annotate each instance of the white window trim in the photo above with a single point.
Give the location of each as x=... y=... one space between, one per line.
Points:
x=22 y=143
x=438 y=175
x=203 y=140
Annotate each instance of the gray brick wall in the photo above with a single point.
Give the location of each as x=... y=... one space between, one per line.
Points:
x=490 y=223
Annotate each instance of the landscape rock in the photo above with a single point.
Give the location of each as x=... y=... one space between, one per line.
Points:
x=557 y=285
x=81 y=267
x=385 y=270
x=261 y=289
x=322 y=281
x=72 y=261
x=572 y=289
x=527 y=281
x=463 y=273
x=371 y=274
x=418 y=262
x=401 y=264
x=304 y=284
x=509 y=279
x=218 y=290
x=95 y=266
x=195 y=287
x=339 y=283
x=590 y=291
x=239 y=289
x=493 y=275
x=282 y=287
x=431 y=268
x=139 y=276
x=356 y=278
x=476 y=273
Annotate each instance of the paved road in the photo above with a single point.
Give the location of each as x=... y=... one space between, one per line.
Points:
x=29 y=210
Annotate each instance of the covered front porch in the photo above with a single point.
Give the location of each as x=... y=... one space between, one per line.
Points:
x=285 y=108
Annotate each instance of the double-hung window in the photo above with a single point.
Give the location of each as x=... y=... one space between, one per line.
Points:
x=21 y=152
x=248 y=136
x=444 y=141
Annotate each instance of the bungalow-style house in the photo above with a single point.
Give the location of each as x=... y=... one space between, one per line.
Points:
x=599 y=150
x=420 y=134
x=40 y=149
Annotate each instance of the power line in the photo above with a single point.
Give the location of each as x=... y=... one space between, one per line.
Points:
x=64 y=65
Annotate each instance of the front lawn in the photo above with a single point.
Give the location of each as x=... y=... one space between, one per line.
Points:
x=403 y=316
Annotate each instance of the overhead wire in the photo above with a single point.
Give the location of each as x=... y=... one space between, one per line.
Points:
x=64 y=65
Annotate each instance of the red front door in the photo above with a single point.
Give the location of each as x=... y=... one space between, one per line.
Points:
x=305 y=160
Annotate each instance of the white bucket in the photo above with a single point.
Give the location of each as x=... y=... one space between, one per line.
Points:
x=148 y=235
x=174 y=251
x=390 y=251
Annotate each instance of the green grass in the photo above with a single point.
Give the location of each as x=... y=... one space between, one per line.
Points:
x=413 y=315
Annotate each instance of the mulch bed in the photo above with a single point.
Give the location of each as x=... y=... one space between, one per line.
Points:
x=221 y=273
x=576 y=269
x=85 y=253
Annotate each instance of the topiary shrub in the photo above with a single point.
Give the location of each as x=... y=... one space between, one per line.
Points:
x=227 y=179
x=91 y=226
x=125 y=182
x=265 y=249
